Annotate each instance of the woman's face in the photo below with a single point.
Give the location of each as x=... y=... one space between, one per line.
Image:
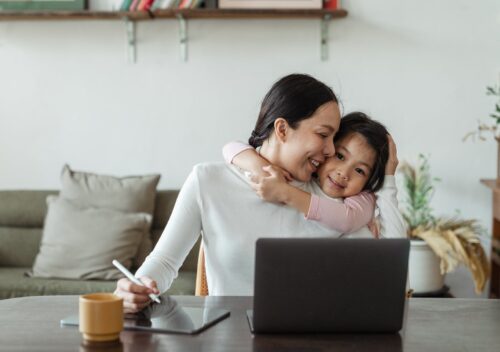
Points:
x=308 y=146
x=346 y=173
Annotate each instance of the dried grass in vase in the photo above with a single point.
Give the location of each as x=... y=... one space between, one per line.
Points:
x=453 y=240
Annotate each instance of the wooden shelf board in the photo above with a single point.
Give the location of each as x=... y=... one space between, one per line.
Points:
x=250 y=13
x=173 y=13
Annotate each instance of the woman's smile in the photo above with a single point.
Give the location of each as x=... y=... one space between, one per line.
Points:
x=315 y=164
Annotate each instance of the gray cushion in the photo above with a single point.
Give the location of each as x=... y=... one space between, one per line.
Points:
x=22 y=208
x=80 y=242
x=19 y=246
x=13 y=283
x=164 y=204
x=130 y=194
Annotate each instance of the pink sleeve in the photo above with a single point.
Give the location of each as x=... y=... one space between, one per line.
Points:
x=350 y=216
x=231 y=149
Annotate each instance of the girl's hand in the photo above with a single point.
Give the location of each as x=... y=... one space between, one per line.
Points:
x=271 y=187
x=256 y=177
x=374 y=228
x=392 y=162
x=288 y=177
x=135 y=297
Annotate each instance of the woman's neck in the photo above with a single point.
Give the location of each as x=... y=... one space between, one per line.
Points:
x=269 y=151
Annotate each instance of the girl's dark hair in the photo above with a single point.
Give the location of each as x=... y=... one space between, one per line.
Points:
x=376 y=136
x=295 y=98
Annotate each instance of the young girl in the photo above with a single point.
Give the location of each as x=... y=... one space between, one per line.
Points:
x=364 y=155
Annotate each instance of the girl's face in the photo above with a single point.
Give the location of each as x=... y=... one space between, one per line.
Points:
x=308 y=146
x=346 y=173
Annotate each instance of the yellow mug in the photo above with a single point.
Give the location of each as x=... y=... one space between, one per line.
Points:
x=100 y=316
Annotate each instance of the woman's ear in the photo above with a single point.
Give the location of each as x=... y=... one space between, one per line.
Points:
x=281 y=129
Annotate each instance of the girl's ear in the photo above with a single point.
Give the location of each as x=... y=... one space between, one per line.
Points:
x=281 y=128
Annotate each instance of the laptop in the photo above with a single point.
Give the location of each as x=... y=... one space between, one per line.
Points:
x=320 y=285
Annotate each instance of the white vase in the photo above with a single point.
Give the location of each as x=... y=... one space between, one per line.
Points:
x=424 y=272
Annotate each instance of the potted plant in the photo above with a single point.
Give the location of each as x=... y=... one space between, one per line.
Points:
x=438 y=244
x=490 y=128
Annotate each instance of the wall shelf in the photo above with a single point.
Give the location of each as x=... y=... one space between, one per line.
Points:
x=182 y=15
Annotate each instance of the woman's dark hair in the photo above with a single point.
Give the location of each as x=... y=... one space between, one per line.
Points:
x=295 y=98
x=376 y=136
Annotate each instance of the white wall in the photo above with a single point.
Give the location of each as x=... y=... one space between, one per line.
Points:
x=67 y=93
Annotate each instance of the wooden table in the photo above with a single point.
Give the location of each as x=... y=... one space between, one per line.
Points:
x=433 y=324
x=495 y=240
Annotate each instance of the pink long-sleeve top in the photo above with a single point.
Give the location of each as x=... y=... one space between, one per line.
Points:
x=345 y=216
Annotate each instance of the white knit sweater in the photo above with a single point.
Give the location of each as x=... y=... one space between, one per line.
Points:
x=217 y=199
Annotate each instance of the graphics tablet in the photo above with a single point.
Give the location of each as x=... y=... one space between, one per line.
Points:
x=167 y=317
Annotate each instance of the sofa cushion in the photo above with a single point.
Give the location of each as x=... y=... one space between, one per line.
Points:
x=19 y=246
x=164 y=204
x=130 y=194
x=13 y=283
x=23 y=208
x=15 y=221
x=80 y=242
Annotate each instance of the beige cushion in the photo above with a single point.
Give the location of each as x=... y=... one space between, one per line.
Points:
x=80 y=242
x=130 y=194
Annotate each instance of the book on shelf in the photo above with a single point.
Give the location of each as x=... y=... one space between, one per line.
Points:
x=161 y=4
x=270 y=4
x=189 y=4
x=49 y=5
x=152 y=5
x=133 y=5
x=331 y=4
x=125 y=5
x=211 y=4
x=145 y=5
x=140 y=5
x=184 y=4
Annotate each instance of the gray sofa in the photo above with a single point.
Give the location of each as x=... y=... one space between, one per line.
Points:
x=22 y=215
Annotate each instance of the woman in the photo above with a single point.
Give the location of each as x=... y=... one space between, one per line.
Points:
x=298 y=120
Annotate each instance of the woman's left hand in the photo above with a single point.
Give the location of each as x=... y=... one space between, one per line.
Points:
x=392 y=162
x=273 y=186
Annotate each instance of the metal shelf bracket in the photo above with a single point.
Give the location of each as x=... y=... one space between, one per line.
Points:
x=183 y=38
x=324 y=37
x=131 y=40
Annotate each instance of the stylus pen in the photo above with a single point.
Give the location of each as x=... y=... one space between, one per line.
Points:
x=132 y=278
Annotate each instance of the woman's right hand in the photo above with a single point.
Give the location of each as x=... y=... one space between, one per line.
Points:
x=135 y=297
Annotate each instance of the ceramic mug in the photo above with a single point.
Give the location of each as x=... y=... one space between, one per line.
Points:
x=100 y=316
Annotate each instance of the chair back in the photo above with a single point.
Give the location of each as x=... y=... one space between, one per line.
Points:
x=201 y=288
